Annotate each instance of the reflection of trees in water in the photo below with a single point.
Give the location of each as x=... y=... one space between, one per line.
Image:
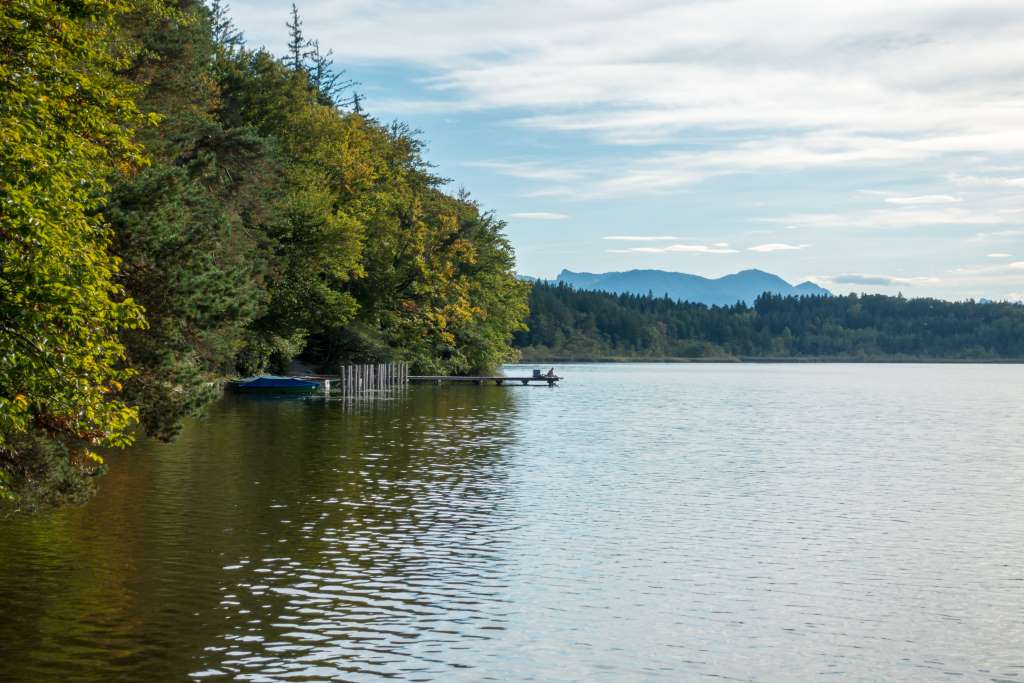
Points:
x=385 y=550
x=273 y=534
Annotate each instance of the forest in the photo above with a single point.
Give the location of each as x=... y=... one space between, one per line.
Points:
x=180 y=207
x=566 y=324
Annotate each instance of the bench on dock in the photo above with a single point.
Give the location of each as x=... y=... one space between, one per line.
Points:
x=497 y=379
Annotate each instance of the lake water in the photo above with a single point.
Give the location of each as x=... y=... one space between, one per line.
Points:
x=638 y=522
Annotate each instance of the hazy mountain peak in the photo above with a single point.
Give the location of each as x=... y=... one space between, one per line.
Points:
x=745 y=285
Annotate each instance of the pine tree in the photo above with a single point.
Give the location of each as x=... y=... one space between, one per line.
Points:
x=225 y=33
x=297 y=44
x=330 y=84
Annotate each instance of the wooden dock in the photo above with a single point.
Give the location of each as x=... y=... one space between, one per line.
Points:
x=380 y=378
x=496 y=379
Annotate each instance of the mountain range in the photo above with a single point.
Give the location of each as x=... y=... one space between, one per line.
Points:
x=745 y=285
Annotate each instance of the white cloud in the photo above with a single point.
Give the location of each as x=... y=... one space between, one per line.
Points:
x=1016 y=266
x=777 y=246
x=528 y=170
x=898 y=218
x=641 y=238
x=880 y=280
x=996 y=236
x=924 y=199
x=987 y=181
x=886 y=83
x=539 y=216
x=720 y=248
x=1000 y=254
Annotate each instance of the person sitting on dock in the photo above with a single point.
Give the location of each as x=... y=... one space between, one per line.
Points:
x=551 y=372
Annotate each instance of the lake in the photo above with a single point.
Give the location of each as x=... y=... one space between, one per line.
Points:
x=746 y=522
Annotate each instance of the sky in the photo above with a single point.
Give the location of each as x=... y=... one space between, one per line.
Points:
x=869 y=146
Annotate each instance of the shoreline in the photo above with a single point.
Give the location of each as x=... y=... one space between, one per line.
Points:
x=780 y=360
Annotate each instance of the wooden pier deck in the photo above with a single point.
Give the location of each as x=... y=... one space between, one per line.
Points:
x=356 y=380
x=497 y=379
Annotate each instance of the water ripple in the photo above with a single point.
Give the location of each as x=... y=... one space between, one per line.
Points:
x=743 y=523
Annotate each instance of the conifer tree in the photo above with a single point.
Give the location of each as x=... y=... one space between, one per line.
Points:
x=297 y=44
x=225 y=33
x=330 y=84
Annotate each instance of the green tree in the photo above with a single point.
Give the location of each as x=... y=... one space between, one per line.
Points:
x=190 y=256
x=66 y=126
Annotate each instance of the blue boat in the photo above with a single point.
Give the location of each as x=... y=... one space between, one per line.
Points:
x=273 y=384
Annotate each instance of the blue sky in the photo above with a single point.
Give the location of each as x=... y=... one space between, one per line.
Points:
x=872 y=146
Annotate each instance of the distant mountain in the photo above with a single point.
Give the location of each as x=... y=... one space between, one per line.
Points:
x=746 y=285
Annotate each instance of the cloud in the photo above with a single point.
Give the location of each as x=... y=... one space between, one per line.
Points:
x=996 y=236
x=777 y=246
x=539 y=216
x=1000 y=254
x=1013 y=267
x=528 y=170
x=641 y=238
x=864 y=85
x=924 y=199
x=899 y=218
x=883 y=280
x=986 y=181
x=719 y=248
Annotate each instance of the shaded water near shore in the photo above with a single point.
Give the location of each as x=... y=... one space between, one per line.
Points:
x=639 y=522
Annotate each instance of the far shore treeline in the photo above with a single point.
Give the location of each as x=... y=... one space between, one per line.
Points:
x=178 y=208
x=566 y=324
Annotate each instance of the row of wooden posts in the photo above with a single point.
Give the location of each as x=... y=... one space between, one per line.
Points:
x=357 y=379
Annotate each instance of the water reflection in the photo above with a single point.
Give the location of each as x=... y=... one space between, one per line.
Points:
x=767 y=523
x=313 y=537
x=384 y=560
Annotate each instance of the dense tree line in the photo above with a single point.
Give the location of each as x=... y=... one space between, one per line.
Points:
x=179 y=208
x=568 y=324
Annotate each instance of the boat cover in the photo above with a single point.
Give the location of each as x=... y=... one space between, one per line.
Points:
x=276 y=382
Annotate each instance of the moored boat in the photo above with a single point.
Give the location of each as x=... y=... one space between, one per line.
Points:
x=273 y=384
